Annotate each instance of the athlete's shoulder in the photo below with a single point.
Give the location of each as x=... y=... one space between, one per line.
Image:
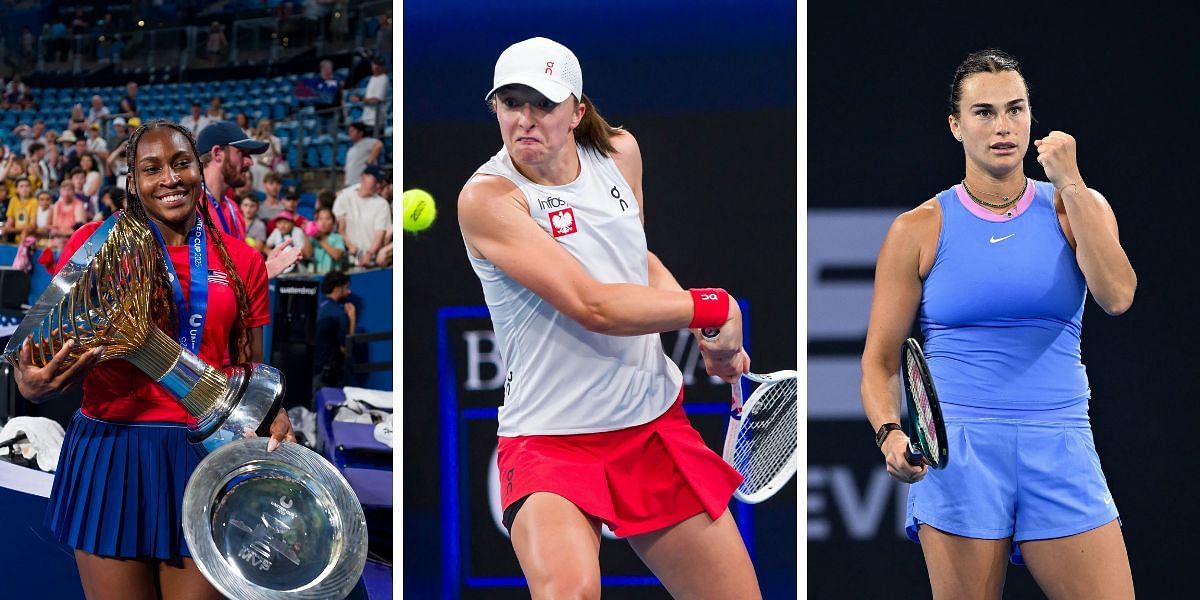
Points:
x=487 y=187
x=624 y=143
x=920 y=219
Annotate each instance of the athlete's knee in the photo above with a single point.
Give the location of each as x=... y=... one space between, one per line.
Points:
x=567 y=584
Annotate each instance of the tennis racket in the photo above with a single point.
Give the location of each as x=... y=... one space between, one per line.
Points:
x=925 y=428
x=761 y=439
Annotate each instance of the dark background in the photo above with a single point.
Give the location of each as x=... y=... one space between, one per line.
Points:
x=709 y=89
x=1121 y=82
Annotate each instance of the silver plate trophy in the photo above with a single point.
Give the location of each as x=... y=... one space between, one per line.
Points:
x=263 y=525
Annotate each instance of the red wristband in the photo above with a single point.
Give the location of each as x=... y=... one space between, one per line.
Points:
x=710 y=307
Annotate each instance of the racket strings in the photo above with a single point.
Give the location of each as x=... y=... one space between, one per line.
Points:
x=766 y=440
x=924 y=417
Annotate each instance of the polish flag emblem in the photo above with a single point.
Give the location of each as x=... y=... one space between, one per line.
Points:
x=562 y=222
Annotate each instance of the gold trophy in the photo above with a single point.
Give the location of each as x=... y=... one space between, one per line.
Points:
x=276 y=525
x=101 y=298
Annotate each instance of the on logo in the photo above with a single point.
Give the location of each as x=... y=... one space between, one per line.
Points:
x=549 y=67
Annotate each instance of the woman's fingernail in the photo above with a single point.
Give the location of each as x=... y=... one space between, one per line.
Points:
x=272 y=445
x=98 y=352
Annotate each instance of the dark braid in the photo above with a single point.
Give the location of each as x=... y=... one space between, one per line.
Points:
x=239 y=339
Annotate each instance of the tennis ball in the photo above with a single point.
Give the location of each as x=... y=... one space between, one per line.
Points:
x=419 y=210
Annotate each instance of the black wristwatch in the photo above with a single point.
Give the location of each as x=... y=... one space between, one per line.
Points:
x=883 y=433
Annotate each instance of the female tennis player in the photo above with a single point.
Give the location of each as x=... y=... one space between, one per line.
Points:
x=592 y=429
x=996 y=270
x=118 y=491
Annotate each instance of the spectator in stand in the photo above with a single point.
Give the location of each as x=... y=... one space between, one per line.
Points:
x=54 y=162
x=112 y=200
x=120 y=133
x=14 y=172
x=79 y=25
x=329 y=90
x=243 y=122
x=216 y=44
x=256 y=229
x=195 y=121
x=215 y=111
x=285 y=229
x=28 y=54
x=34 y=135
x=117 y=165
x=16 y=94
x=225 y=153
x=22 y=212
x=363 y=151
x=92 y=180
x=96 y=144
x=38 y=165
x=363 y=217
x=128 y=110
x=3 y=206
x=35 y=179
x=375 y=96
x=44 y=219
x=98 y=113
x=272 y=204
x=78 y=178
x=291 y=204
x=129 y=106
x=271 y=161
x=69 y=212
x=78 y=121
x=336 y=319
x=328 y=246
x=72 y=148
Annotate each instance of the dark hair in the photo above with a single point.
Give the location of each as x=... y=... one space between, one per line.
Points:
x=992 y=60
x=117 y=195
x=360 y=126
x=34 y=147
x=161 y=301
x=272 y=177
x=326 y=198
x=333 y=280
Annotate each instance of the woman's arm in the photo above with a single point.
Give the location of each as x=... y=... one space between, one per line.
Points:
x=906 y=256
x=496 y=225
x=1091 y=226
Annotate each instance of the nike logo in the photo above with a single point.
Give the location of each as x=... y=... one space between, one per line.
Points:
x=995 y=239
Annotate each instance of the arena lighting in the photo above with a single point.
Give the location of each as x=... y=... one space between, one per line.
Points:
x=141 y=23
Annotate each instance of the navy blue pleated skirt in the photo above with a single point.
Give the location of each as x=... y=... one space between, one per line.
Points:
x=118 y=490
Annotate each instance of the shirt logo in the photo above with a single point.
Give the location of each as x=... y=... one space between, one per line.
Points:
x=562 y=222
x=219 y=277
x=993 y=239
x=551 y=202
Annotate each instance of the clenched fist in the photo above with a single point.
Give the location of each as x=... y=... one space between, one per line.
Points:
x=1056 y=154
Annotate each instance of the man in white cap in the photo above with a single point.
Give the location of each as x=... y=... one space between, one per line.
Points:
x=363 y=217
x=120 y=133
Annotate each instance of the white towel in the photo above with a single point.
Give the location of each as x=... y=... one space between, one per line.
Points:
x=376 y=398
x=383 y=432
x=357 y=411
x=45 y=439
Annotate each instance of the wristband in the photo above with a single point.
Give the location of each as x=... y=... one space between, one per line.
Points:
x=710 y=307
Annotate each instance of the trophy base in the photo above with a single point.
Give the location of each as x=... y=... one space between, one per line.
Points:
x=282 y=525
x=253 y=394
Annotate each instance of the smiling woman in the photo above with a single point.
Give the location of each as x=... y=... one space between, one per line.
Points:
x=126 y=459
x=996 y=271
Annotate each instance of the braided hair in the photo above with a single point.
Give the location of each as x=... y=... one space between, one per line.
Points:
x=161 y=302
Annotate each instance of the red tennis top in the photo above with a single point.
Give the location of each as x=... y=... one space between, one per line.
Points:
x=115 y=390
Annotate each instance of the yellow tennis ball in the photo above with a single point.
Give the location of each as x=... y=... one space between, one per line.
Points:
x=419 y=210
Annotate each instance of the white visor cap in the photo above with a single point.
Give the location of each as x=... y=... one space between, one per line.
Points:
x=542 y=64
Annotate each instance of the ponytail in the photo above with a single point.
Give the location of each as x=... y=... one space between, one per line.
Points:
x=593 y=131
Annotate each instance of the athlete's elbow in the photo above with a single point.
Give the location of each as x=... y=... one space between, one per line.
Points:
x=1117 y=303
x=594 y=319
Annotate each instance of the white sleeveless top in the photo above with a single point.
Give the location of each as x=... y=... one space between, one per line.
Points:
x=562 y=378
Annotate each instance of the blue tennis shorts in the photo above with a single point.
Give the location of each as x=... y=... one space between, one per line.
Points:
x=1013 y=479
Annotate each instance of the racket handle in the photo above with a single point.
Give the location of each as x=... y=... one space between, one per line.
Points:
x=710 y=333
x=914 y=456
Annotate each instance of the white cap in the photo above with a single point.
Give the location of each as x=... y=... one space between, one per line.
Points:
x=542 y=64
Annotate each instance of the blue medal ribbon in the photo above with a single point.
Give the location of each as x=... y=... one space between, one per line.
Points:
x=193 y=310
x=220 y=208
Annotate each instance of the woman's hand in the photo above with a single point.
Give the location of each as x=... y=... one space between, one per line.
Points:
x=281 y=431
x=1056 y=154
x=895 y=455
x=39 y=384
x=723 y=355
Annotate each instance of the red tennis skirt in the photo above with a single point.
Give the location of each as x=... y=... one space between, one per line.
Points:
x=635 y=480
